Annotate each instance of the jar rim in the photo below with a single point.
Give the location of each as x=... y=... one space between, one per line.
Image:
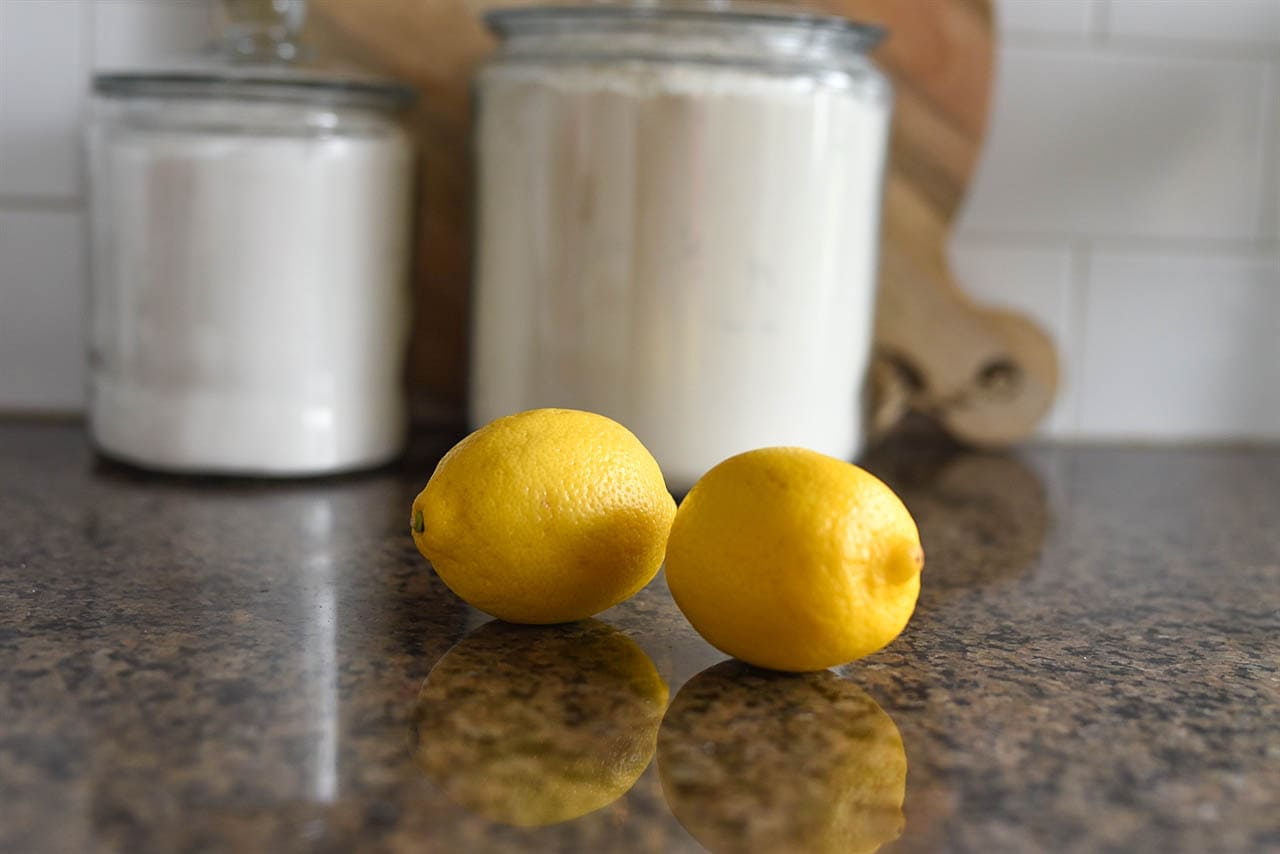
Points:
x=515 y=20
x=268 y=86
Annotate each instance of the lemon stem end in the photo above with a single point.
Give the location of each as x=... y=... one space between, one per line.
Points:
x=909 y=565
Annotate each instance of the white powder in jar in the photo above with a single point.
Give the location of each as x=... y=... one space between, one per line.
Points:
x=250 y=306
x=689 y=249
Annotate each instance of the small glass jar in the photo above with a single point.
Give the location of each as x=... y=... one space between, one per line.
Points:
x=250 y=247
x=678 y=225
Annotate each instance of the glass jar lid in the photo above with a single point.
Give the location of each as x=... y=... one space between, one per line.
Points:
x=259 y=56
x=258 y=84
x=621 y=18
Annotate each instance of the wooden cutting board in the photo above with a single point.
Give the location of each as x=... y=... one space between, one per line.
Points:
x=988 y=376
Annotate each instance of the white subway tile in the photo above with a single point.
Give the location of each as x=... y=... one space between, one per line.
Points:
x=1036 y=282
x=1178 y=346
x=1197 y=20
x=131 y=33
x=1073 y=17
x=1092 y=143
x=42 y=308
x=41 y=86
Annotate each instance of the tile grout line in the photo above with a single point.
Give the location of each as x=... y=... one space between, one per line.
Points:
x=997 y=238
x=40 y=204
x=88 y=56
x=1236 y=50
x=1267 y=165
x=87 y=25
x=1141 y=47
x=1077 y=303
x=1099 y=20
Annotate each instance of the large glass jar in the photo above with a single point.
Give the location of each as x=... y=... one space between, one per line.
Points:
x=678 y=225
x=250 y=234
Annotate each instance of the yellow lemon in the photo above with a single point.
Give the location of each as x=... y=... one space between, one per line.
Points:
x=793 y=560
x=545 y=516
x=532 y=726
x=756 y=761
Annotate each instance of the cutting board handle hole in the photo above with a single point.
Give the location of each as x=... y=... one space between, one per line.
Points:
x=999 y=378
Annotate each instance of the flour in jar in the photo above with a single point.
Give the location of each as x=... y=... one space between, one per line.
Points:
x=250 y=302
x=688 y=248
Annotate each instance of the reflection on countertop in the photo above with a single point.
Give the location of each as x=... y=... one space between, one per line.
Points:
x=192 y=664
x=535 y=725
x=757 y=761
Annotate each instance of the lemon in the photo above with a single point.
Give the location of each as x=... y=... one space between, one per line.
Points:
x=545 y=516
x=756 y=761
x=793 y=560
x=531 y=725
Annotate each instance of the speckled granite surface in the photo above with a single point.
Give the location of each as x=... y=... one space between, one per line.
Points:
x=234 y=666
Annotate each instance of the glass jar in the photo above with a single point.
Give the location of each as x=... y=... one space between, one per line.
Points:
x=250 y=247
x=678 y=225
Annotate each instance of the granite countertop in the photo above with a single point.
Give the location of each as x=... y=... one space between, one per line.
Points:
x=241 y=666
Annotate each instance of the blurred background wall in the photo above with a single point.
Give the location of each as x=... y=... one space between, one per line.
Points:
x=1128 y=199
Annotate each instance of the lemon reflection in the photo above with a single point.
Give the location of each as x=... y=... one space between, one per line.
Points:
x=752 y=760
x=533 y=725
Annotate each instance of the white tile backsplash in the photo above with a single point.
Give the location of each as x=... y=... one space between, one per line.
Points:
x=1097 y=144
x=131 y=33
x=1036 y=282
x=1070 y=17
x=42 y=349
x=1145 y=136
x=42 y=80
x=1255 y=21
x=1128 y=200
x=1181 y=346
